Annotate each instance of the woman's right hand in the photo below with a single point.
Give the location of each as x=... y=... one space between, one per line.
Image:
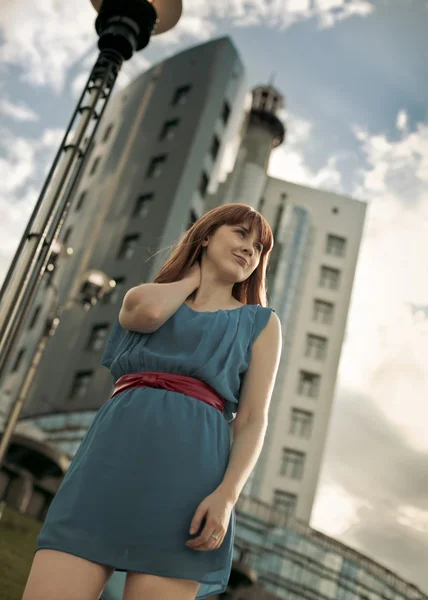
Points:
x=194 y=274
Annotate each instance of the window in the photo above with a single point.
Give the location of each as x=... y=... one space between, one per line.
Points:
x=323 y=312
x=192 y=218
x=80 y=201
x=181 y=94
x=129 y=244
x=95 y=165
x=142 y=206
x=80 y=385
x=34 y=319
x=225 y=112
x=292 y=463
x=98 y=337
x=308 y=384
x=168 y=130
x=316 y=346
x=156 y=166
x=279 y=211
x=203 y=184
x=215 y=145
x=301 y=423
x=66 y=236
x=107 y=132
x=285 y=502
x=329 y=278
x=17 y=363
x=335 y=245
x=117 y=292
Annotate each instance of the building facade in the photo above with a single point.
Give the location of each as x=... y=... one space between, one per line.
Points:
x=145 y=181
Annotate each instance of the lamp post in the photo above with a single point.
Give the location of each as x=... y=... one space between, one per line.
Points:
x=123 y=27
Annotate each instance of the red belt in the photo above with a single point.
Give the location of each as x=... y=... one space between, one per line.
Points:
x=190 y=386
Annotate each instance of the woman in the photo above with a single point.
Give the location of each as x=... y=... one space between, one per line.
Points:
x=152 y=488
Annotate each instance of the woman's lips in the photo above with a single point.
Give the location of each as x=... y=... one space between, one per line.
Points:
x=242 y=261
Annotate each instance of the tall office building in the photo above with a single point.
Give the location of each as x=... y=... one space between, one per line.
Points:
x=158 y=147
x=310 y=277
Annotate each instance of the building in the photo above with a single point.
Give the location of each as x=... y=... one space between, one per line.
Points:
x=311 y=273
x=146 y=179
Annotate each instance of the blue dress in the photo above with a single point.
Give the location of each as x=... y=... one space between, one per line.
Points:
x=151 y=456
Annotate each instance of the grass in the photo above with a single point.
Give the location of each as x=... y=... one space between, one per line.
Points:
x=18 y=534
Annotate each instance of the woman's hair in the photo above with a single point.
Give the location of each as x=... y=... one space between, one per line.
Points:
x=189 y=250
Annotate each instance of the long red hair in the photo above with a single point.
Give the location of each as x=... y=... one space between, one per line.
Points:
x=189 y=249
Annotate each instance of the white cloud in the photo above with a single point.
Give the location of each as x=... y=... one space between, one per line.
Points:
x=378 y=425
x=288 y=161
x=22 y=169
x=18 y=112
x=49 y=24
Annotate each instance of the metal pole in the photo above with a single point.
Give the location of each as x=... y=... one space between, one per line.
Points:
x=123 y=27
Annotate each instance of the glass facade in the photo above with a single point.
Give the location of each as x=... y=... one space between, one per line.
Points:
x=296 y=562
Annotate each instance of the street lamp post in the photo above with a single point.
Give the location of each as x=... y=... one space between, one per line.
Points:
x=123 y=27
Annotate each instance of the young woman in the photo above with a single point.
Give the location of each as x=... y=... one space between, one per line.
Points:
x=152 y=488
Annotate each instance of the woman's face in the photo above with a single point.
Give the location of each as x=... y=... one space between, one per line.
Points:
x=229 y=246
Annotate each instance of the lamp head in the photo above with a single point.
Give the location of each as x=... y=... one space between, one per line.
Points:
x=168 y=12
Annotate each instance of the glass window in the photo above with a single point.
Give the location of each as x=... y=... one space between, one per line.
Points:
x=18 y=360
x=117 y=293
x=95 y=165
x=285 y=502
x=316 y=347
x=301 y=423
x=81 y=384
x=34 y=319
x=181 y=95
x=107 y=132
x=142 y=206
x=329 y=278
x=203 y=184
x=80 y=201
x=98 y=337
x=128 y=247
x=336 y=245
x=292 y=463
x=169 y=129
x=156 y=166
x=225 y=112
x=308 y=384
x=323 y=312
x=215 y=145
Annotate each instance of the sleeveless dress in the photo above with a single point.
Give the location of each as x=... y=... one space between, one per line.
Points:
x=151 y=456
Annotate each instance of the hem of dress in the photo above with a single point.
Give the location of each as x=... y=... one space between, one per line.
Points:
x=157 y=572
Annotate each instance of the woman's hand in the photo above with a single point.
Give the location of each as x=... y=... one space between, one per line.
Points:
x=216 y=509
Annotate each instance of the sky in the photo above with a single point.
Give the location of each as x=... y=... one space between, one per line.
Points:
x=353 y=74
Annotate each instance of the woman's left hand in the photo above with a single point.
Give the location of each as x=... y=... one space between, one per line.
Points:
x=217 y=509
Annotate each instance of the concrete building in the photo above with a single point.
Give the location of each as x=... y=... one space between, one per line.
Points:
x=310 y=278
x=145 y=181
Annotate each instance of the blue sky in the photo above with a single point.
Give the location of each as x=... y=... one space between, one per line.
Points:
x=354 y=77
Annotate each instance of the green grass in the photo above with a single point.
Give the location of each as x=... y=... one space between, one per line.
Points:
x=18 y=534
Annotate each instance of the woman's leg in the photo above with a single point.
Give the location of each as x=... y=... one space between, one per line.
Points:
x=153 y=587
x=56 y=574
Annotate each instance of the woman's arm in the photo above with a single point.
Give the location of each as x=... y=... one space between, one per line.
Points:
x=146 y=307
x=250 y=424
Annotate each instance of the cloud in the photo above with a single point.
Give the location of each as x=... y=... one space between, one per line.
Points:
x=32 y=30
x=18 y=112
x=374 y=470
x=23 y=165
x=288 y=161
